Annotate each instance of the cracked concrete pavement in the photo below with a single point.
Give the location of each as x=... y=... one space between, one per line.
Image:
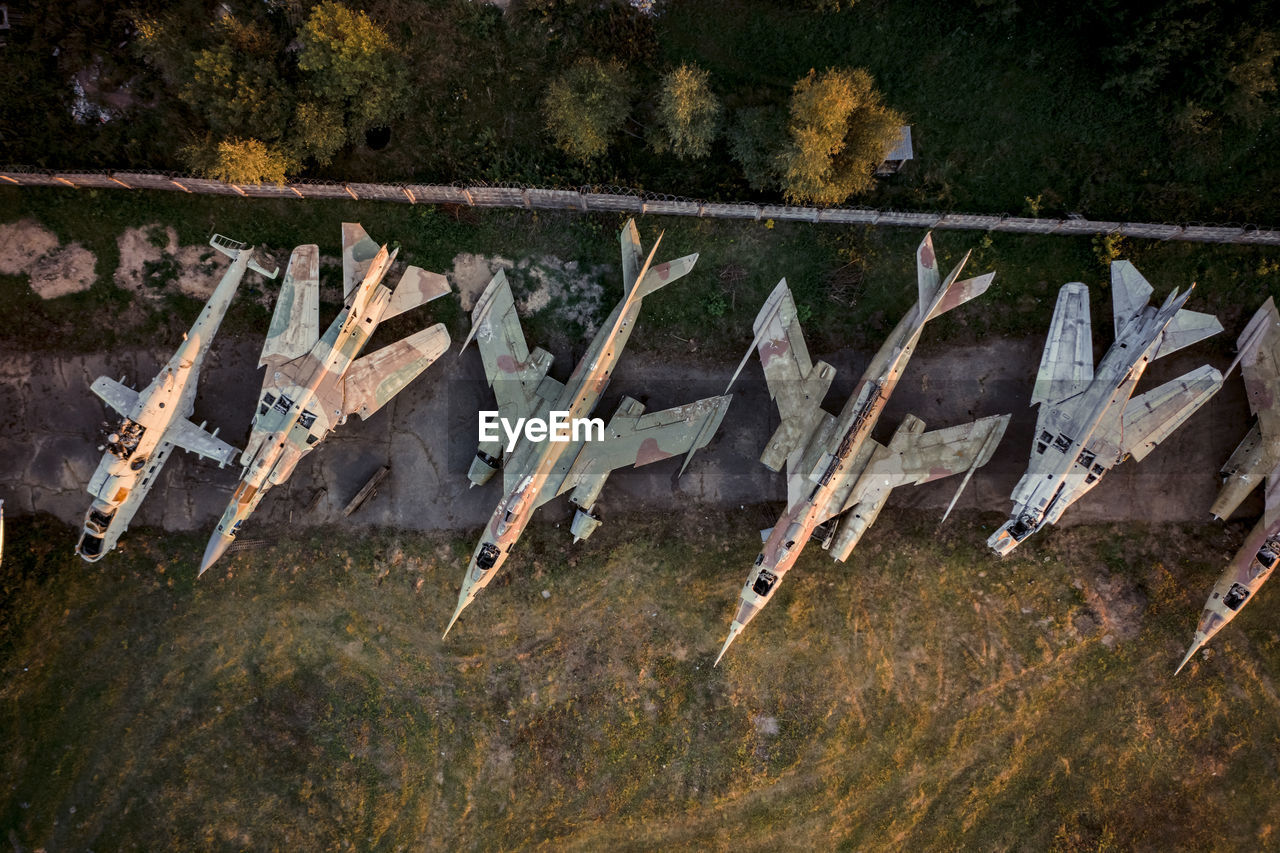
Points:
x=52 y=426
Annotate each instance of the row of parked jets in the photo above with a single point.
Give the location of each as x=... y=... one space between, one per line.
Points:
x=838 y=477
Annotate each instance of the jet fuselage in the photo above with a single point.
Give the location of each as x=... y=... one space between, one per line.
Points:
x=535 y=461
x=136 y=448
x=1061 y=469
x=301 y=404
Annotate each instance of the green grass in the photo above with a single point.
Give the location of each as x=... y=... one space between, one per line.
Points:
x=926 y=695
x=853 y=284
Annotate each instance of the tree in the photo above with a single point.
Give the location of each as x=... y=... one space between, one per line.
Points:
x=240 y=161
x=688 y=113
x=353 y=69
x=237 y=93
x=839 y=130
x=585 y=107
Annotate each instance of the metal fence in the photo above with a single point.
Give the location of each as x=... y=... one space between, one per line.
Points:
x=623 y=200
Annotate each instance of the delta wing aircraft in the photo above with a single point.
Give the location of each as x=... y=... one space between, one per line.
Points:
x=834 y=466
x=314 y=383
x=155 y=420
x=534 y=472
x=1256 y=460
x=1087 y=423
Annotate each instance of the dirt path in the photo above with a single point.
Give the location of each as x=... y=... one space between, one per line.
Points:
x=50 y=430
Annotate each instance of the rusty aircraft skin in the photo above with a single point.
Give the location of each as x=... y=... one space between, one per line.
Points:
x=1255 y=461
x=313 y=383
x=536 y=472
x=834 y=466
x=155 y=420
x=1087 y=423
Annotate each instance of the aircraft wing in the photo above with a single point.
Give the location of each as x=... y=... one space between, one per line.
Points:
x=118 y=396
x=358 y=251
x=373 y=379
x=1260 y=368
x=518 y=376
x=915 y=457
x=295 y=322
x=1066 y=368
x=633 y=439
x=795 y=383
x=1150 y=418
x=196 y=439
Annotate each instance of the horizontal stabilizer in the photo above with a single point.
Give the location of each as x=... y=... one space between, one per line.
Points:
x=961 y=292
x=416 y=287
x=233 y=249
x=295 y=323
x=1130 y=293
x=358 y=252
x=1185 y=329
x=663 y=274
x=1066 y=367
x=117 y=395
x=374 y=379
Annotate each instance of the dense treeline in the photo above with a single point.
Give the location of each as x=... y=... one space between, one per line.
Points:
x=1109 y=108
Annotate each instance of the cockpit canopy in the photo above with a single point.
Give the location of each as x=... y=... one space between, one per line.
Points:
x=124 y=439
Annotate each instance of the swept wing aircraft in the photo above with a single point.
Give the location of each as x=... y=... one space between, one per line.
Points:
x=314 y=383
x=1254 y=462
x=1087 y=423
x=834 y=467
x=155 y=420
x=535 y=472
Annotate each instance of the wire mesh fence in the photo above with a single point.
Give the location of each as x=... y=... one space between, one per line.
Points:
x=613 y=199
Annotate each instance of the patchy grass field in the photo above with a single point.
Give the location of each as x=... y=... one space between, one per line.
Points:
x=925 y=696
x=852 y=284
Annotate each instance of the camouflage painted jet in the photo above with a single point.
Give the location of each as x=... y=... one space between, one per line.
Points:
x=834 y=466
x=1257 y=458
x=155 y=420
x=314 y=383
x=537 y=471
x=1087 y=423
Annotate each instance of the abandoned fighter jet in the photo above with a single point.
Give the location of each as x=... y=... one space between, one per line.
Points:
x=535 y=471
x=1255 y=461
x=1087 y=423
x=155 y=420
x=834 y=466
x=314 y=383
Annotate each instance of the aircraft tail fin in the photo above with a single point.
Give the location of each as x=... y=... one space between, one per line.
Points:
x=938 y=296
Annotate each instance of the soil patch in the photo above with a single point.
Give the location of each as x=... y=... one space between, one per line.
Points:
x=26 y=247
x=151 y=261
x=571 y=291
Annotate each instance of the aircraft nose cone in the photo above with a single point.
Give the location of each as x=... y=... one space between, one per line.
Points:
x=218 y=545
x=1195 y=647
x=734 y=630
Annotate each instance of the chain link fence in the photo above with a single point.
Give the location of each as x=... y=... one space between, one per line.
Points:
x=610 y=199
